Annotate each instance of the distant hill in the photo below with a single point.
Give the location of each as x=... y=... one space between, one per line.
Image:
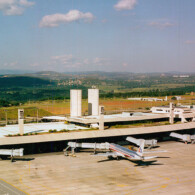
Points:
x=48 y=75
x=4 y=72
x=22 y=81
x=72 y=75
x=91 y=75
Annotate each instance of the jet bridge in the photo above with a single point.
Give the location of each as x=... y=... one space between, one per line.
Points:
x=11 y=152
x=74 y=145
x=148 y=143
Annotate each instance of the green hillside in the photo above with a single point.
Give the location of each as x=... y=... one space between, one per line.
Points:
x=22 y=81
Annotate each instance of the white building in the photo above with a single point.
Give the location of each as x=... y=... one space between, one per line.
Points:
x=75 y=102
x=166 y=109
x=178 y=97
x=93 y=102
x=150 y=99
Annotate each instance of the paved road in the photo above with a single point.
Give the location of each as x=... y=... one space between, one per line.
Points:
x=7 y=189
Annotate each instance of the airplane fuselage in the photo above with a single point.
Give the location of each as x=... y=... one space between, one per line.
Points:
x=125 y=152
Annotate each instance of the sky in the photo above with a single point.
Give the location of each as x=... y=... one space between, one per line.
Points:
x=97 y=35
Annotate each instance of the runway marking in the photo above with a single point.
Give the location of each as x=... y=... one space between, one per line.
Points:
x=12 y=186
x=51 y=189
x=29 y=167
x=21 y=181
x=122 y=185
x=166 y=178
x=159 y=186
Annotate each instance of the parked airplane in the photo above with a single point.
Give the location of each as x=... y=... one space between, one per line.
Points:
x=148 y=143
x=184 y=137
x=115 y=150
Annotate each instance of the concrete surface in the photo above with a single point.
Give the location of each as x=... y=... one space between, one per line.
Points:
x=93 y=134
x=172 y=173
x=117 y=118
x=38 y=128
x=7 y=189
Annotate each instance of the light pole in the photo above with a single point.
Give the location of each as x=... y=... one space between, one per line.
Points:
x=5 y=117
x=37 y=114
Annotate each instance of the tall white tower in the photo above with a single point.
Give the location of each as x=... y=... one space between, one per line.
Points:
x=75 y=102
x=21 y=121
x=93 y=102
x=171 y=116
x=101 y=117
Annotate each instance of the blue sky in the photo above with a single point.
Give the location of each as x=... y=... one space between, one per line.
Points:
x=103 y=35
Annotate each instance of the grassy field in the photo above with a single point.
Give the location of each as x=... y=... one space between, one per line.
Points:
x=63 y=107
x=60 y=107
x=12 y=112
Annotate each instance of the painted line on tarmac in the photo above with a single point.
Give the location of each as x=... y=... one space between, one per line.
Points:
x=11 y=188
x=158 y=186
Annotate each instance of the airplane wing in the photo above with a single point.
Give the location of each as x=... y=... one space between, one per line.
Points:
x=192 y=136
x=149 y=157
x=134 y=140
x=107 y=154
x=176 y=135
x=157 y=151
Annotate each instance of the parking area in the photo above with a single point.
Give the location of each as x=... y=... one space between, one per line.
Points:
x=53 y=173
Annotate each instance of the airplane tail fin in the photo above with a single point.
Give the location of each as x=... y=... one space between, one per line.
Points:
x=140 y=150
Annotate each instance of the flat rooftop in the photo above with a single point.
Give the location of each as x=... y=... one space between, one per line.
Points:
x=125 y=116
x=172 y=173
x=38 y=128
x=87 y=134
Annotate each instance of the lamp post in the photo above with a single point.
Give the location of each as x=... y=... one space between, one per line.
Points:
x=5 y=117
x=37 y=115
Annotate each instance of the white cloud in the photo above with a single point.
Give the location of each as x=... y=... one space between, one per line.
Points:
x=70 y=61
x=55 y=20
x=161 y=24
x=14 y=7
x=26 y=3
x=104 y=21
x=125 y=64
x=100 y=61
x=10 y=64
x=125 y=5
x=14 y=10
x=35 y=64
x=63 y=59
x=86 y=61
x=189 y=42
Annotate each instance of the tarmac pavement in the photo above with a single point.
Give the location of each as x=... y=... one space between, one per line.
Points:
x=53 y=173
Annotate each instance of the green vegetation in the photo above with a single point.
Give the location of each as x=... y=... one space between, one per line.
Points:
x=22 y=81
x=12 y=113
x=16 y=90
x=146 y=123
x=52 y=131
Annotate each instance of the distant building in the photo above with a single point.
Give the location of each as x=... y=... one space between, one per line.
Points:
x=178 y=97
x=188 y=106
x=139 y=99
x=150 y=99
x=166 y=109
x=181 y=76
x=184 y=76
